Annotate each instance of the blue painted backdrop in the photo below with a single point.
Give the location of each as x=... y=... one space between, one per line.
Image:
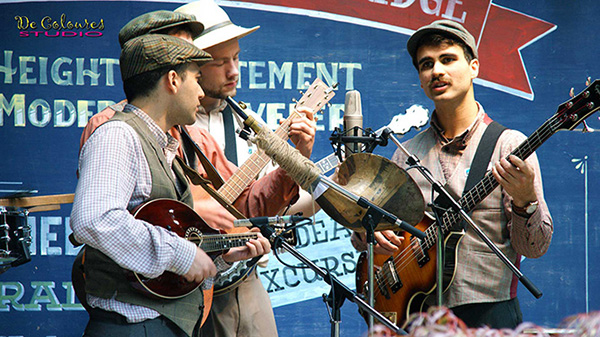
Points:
x=46 y=76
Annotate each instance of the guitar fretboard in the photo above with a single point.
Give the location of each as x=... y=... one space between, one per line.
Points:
x=315 y=97
x=218 y=242
x=487 y=185
x=234 y=186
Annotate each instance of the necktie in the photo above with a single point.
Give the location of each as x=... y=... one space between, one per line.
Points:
x=230 y=139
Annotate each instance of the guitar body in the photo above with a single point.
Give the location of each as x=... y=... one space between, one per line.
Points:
x=403 y=282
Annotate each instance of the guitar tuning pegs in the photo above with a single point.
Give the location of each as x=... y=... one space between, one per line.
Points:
x=572 y=92
x=588 y=81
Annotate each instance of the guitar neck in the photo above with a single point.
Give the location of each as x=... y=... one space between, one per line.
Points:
x=235 y=185
x=487 y=185
x=218 y=242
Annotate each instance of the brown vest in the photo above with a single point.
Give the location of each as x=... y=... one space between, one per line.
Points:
x=105 y=279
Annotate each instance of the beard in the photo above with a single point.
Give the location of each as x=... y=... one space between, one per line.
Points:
x=217 y=92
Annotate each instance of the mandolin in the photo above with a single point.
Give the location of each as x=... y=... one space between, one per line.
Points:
x=179 y=218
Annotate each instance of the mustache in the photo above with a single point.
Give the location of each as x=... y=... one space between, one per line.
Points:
x=437 y=79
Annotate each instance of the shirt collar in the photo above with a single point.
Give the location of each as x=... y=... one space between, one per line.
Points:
x=202 y=110
x=459 y=142
x=165 y=140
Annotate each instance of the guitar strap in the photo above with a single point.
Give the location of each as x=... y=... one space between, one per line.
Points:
x=214 y=177
x=483 y=156
x=211 y=171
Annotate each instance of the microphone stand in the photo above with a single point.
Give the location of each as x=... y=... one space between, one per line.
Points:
x=338 y=293
x=376 y=213
x=444 y=198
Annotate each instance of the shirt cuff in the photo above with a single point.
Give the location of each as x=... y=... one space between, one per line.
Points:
x=185 y=252
x=221 y=264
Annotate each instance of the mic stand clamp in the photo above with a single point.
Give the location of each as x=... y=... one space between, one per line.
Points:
x=368 y=141
x=444 y=198
x=339 y=292
x=245 y=132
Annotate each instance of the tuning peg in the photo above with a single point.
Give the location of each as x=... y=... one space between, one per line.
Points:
x=572 y=92
x=588 y=81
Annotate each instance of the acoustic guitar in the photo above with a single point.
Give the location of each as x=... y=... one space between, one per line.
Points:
x=315 y=98
x=404 y=280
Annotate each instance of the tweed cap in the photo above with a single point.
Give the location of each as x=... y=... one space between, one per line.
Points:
x=158 y=20
x=218 y=27
x=154 y=51
x=443 y=27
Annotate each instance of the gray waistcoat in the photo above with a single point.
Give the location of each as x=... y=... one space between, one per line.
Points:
x=105 y=279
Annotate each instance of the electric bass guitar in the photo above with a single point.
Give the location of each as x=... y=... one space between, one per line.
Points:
x=403 y=281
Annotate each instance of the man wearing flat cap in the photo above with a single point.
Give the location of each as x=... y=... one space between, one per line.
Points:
x=131 y=160
x=461 y=141
x=181 y=25
x=263 y=197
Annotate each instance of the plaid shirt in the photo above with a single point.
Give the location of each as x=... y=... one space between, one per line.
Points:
x=114 y=179
x=480 y=275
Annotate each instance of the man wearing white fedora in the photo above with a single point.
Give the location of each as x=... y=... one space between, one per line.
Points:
x=246 y=310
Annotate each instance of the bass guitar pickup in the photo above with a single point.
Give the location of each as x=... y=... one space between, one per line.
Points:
x=421 y=254
x=387 y=278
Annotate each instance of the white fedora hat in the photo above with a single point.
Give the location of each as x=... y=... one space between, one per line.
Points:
x=218 y=27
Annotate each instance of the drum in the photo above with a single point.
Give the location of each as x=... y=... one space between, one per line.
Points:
x=15 y=237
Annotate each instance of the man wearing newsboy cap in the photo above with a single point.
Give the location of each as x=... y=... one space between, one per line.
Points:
x=515 y=217
x=181 y=25
x=126 y=162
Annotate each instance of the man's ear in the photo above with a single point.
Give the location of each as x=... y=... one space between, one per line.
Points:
x=474 y=68
x=172 y=81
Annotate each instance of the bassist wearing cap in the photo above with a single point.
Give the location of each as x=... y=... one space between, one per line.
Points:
x=515 y=216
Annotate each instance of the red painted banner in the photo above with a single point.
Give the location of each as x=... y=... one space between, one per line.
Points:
x=500 y=32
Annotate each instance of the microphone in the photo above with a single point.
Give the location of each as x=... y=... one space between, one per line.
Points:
x=267 y=220
x=353 y=120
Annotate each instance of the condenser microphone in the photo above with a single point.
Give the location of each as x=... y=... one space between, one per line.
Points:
x=353 y=120
x=267 y=220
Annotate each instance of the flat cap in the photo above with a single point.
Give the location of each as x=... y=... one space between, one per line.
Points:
x=152 y=22
x=154 y=51
x=443 y=27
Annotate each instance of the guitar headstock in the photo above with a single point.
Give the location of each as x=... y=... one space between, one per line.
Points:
x=316 y=96
x=414 y=117
x=578 y=108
